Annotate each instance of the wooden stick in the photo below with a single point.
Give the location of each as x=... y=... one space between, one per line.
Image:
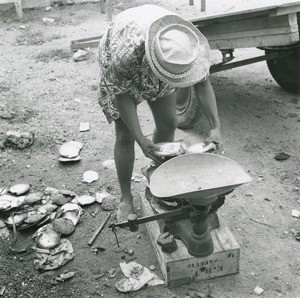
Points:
x=99 y=229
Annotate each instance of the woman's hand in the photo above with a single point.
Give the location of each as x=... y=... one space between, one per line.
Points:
x=149 y=149
x=215 y=137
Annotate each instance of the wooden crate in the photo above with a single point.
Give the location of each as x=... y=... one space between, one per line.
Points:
x=180 y=267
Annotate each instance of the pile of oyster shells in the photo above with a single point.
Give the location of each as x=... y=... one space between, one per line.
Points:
x=56 y=212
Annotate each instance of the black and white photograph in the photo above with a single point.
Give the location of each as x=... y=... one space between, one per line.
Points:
x=149 y=148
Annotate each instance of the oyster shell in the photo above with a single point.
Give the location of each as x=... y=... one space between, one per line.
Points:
x=46 y=237
x=72 y=212
x=86 y=200
x=63 y=226
x=90 y=176
x=16 y=219
x=70 y=149
x=34 y=216
x=51 y=191
x=201 y=148
x=170 y=149
x=33 y=197
x=59 y=199
x=56 y=257
x=19 y=189
x=4 y=205
x=65 y=159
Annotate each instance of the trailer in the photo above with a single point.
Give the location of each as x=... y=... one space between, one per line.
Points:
x=273 y=29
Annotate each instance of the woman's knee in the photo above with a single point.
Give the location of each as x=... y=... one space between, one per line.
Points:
x=123 y=134
x=167 y=124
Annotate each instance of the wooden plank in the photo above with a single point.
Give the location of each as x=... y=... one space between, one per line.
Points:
x=84 y=45
x=259 y=22
x=180 y=267
x=261 y=41
x=94 y=38
x=285 y=10
x=6 y=1
x=251 y=12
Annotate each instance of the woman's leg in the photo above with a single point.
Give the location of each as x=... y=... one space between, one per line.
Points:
x=164 y=113
x=124 y=159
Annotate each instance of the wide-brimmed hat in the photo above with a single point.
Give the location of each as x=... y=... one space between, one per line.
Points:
x=177 y=51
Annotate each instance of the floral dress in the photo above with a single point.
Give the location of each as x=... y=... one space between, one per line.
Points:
x=123 y=64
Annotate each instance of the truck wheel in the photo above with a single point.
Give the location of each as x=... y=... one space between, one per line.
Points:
x=187 y=107
x=286 y=70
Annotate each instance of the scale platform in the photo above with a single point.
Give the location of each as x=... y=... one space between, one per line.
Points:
x=179 y=267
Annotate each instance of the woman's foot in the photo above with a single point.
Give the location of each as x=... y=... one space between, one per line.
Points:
x=124 y=210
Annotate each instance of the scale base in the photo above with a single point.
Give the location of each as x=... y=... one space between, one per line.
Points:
x=179 y=267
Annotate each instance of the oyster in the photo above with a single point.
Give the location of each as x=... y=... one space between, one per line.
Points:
x=86 y=200
x=19 y=189
x=70 y=149
x=201 y=148
x=72 y=212
x=59 y=199
x=34 y=217
x=90 y=176
x=46 y=237
x=170 y=149
x=47 y=208
x=4 y=205
x=56 y=257
x=63 y=226
x=16 y=219
x=33 y=197
x=65 y=159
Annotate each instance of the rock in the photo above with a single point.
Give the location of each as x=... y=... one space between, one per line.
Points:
x=48 y=20
x=296 y=213
x=258 y=290
x=19 y=140
x=80 y=55
x=282 y=156
x=19 y=189
x=152 y=267
x=84 y=126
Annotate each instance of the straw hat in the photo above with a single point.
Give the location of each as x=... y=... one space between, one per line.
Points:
x=177 y=51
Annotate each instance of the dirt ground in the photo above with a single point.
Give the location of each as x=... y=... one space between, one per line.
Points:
x=45 y=91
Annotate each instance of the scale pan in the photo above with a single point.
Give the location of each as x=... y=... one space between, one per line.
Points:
x=197 y=177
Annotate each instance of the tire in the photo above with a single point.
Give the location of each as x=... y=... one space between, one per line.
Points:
x=187 y=107
x=286 y=70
